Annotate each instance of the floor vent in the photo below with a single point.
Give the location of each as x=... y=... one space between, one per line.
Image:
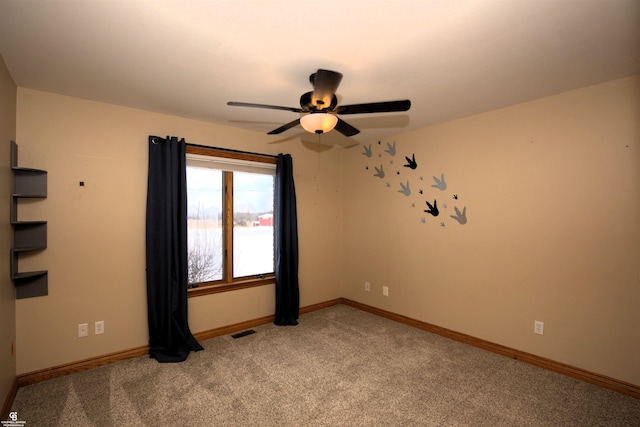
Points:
x=243 y=333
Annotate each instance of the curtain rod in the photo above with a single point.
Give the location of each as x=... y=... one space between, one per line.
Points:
x=232 y=150
x=157 y=139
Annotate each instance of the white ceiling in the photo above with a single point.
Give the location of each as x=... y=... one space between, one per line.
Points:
x=452 y=58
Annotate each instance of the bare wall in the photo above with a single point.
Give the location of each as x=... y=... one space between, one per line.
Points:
x=7 y=291
x=96 y=253
x=552 y=197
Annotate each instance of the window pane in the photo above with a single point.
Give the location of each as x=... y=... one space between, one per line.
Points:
x=252 y=224
x=204 y=224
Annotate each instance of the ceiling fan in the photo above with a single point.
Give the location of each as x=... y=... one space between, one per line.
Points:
x=319 y=108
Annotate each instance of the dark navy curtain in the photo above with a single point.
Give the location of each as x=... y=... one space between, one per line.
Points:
x=286 y=229
x=170 y=339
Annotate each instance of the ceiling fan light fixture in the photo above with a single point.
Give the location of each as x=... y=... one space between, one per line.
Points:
x=319 y=108
x=318 y=122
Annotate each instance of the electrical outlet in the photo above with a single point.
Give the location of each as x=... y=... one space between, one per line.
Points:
x=385 y=291
x=83 y=330
x=367 y=286
x=99 y=327
x=538 y=327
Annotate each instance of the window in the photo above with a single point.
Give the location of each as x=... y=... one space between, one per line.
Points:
x=230 y=201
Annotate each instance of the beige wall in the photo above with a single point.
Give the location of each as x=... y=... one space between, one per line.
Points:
x=553 y=205
x=7 y=291
x=96 y=236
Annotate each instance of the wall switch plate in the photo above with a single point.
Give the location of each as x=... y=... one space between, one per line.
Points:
x=538 y=327
x=99 y=327
x=83 y=330
x=367 y=286
x=385 y=291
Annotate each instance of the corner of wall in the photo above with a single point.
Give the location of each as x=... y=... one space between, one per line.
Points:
x=8 y=95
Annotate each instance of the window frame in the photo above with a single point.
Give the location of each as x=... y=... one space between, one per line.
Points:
x=228 y=282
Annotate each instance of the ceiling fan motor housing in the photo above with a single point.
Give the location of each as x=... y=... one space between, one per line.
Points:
x=308 y=103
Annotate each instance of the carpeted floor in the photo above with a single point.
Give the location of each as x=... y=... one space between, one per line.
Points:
x=339 y=367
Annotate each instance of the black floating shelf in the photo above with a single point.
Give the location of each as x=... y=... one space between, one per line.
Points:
x=28 y=236
x=29 y=183
x=28 y=248
x=21 y=279
x=18 y=223
x=34 y=284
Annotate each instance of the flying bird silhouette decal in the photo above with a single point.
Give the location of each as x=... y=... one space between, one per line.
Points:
x=433 y=210
x=411 y=162
x=440 y=184
x=460 y=217
x=391 y=149
x=404 y=189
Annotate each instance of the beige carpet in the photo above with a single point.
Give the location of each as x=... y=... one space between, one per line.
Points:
x=339 y=367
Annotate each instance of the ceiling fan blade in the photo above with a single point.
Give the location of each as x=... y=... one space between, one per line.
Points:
x=345 y=128
x=374 y=107
x=325 y=84
x=284 y=127
x=270 y=107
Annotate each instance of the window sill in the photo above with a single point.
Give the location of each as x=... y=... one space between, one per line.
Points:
x=207 y=289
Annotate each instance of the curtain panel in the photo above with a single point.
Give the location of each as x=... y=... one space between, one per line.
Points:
x=286 y=244
x=170 y=339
